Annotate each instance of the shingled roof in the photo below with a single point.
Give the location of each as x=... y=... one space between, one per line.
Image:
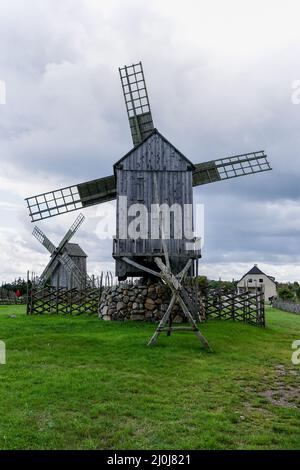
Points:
x=256 y=270
x=73 y=249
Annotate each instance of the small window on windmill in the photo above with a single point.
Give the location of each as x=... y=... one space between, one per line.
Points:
x=261 y=280
x=249 y=280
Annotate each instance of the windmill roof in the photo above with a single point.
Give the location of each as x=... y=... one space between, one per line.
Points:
x=73 y=249
x=256 y=270
x=155 y=131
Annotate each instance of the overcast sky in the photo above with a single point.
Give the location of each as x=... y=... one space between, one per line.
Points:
x=220 y=78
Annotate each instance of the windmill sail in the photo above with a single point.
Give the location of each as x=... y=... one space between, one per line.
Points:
x=59 y=255
x=43 y=239
x=71 y=198
x=72 y=230
x=101 y=190
x=136 y=101
x=49 y=269
x=230 y=167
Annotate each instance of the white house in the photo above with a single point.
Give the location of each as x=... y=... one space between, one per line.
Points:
x=257 y=281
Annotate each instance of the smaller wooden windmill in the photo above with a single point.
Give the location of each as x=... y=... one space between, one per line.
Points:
x=67 y=265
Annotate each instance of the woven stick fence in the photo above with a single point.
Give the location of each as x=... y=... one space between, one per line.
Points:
x=244 y=307
x=46 y=299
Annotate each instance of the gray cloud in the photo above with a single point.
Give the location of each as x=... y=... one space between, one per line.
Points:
x=216 y=89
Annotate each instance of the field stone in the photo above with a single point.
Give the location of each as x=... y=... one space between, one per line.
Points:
x=104 y=310
x=146 y=301
x=148 y=314
x=149 y=306
x=106 y=318
x=135 y=317
x=120 y=305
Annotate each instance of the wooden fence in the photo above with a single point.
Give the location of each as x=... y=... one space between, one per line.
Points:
x=244 y=307
x=286 y=305
x=217 y=304
x=62 y=301
x=45 y=299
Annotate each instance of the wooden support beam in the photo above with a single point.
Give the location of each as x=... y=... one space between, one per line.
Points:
x=178 y=328
x=141 y=267
x=177 y=290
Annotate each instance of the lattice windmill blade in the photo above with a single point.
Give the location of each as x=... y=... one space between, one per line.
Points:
x=43 y=239
x=70 y=233
x=230 y=167
x=136 y=101
x=71 y=198
x=49 y=269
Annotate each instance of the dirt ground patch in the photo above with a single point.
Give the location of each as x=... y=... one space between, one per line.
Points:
x=285 y=390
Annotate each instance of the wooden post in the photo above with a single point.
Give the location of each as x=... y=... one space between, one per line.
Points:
x=32 y=294
x=27 y=294
x=262 y=311
x=71 y=296
x=57 y=294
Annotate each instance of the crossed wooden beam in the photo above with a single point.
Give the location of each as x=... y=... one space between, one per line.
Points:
x=179 y=293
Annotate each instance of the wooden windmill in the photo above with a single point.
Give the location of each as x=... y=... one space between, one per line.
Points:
x=153 y=172
x=67 y=265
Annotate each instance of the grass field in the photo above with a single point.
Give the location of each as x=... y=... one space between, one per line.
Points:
x=80 y=383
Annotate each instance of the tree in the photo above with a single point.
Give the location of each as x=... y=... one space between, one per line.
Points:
x=285 y=293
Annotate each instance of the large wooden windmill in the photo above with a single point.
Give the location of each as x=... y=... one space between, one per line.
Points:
x=152 y=173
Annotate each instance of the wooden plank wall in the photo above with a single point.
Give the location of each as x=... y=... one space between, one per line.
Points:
x=135 y=179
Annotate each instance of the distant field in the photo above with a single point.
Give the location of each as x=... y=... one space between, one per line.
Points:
x=80 y=383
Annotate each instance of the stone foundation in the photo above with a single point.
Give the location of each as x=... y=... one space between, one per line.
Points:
x=138 y=302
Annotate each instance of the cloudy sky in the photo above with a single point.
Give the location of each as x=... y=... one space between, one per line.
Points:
x=223 y=79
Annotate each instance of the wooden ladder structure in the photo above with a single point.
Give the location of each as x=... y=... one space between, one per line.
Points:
x=179 y=294
x=174 y=282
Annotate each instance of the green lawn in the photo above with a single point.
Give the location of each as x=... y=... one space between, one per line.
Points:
x=81 y=383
